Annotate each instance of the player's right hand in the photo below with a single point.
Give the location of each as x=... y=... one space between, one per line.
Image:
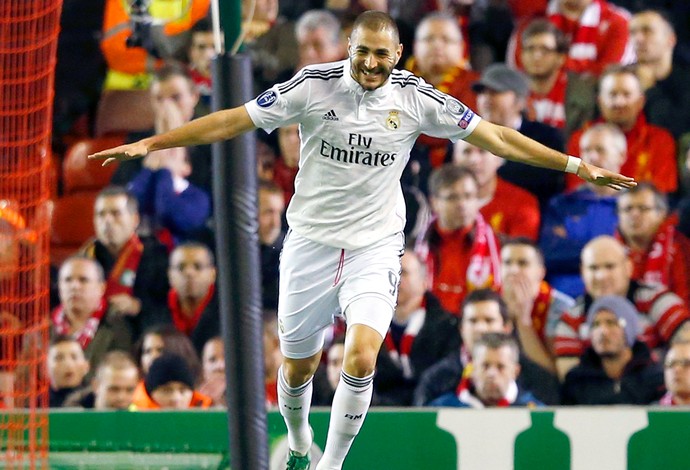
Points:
x=121 y=153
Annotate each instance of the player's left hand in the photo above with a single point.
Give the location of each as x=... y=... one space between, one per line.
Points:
x=602 y=177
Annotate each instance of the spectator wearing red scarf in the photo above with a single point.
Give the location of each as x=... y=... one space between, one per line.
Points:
x=192 y=301
x=659 y=252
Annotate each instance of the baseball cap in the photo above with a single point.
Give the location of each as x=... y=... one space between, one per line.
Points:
x=499 y=77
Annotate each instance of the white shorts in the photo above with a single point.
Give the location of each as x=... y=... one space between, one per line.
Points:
x=318 y=282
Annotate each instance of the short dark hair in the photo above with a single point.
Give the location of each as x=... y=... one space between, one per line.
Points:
x=375 y=20
x=114 y=190
x=497 y=341
x=194 y=245
x=446 y=175
x=517 y=241
x=173 y=69
x=487 y=295
x=544 y=26
x=64 y=338
x=204 y=25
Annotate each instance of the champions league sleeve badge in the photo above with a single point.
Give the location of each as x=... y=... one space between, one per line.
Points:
x=393 y=120
x=267 y=99
x=454 y=107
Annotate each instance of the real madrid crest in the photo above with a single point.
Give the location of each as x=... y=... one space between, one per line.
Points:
x=393 y=120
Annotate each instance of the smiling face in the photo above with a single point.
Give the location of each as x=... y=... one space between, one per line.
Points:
x=373 y=55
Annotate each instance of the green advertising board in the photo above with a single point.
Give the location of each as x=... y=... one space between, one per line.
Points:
x=594 y=438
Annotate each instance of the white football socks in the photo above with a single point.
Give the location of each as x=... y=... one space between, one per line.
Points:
x=294 y=406
x=350 y=405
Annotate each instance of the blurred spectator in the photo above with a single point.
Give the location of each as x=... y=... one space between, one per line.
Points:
x=484 y=311
x=67 y=368
x=509 y=209
x=328 y=375
x=169 y=384
x=213 y=382
x=533 y=305
x=492 y=379
x=667 y=95
x=175 y=101
x=607 y=270
x=200 y=54
x=173 y=208
x=287 y=163
x=131 y=67
x=564 y=100
x=460 y=249
x=135 y=288
x=438 y=57
x=112 y=387
x=617 y=368
x=82 y=313
x=421 y=334
x=271 y=235
x=192 y=299
x=659 y=252
x=273 y=357
x=597 y=31
x=651 y=149
x=502 y=99
x=677 y=375
x=572 y=219
x=319 y=38
x=257 y=18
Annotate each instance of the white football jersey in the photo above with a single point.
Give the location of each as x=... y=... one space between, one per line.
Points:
x=354 y=147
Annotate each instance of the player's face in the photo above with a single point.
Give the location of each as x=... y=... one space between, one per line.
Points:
x=373 y=55
x=596 y=148
x=539 y=56
x=677 y=370
x=437 y=46
x=639 y=216
x=479 y=318
x=607 y=334
x=115 y=389
x=191 y=272
x=493 y=371
x=621 y=99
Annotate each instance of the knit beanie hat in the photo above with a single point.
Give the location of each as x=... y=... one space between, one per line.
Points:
x=623 y=309
x=168 y=368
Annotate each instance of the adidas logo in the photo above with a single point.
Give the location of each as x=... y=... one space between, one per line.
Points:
x=330 y=116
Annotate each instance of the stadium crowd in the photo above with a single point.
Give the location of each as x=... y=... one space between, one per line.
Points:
x=519 y=286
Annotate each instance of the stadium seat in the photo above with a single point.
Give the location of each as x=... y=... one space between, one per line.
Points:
x=123 y=111
x=71 y=224
x=81 y=174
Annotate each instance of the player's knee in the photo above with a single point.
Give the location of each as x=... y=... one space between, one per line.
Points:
x=298 y=371
x=360 y=361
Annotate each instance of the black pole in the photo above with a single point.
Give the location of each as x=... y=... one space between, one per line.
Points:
x=237 y=247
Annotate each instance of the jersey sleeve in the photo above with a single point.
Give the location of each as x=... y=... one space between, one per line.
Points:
x=444 y=116
x=280 y=105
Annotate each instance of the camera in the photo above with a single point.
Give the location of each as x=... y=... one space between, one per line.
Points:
x=141 y=21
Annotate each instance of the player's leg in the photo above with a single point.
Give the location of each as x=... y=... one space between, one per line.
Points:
x=353 y=393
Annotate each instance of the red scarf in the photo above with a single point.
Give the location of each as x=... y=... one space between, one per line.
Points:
x=540 y=310
x=466 y=394
x=654 y=265
x=87 y=333
x=549 y=108
x=124 y=273
x=582 y=33
x=484 y=269
x=401 y=355
x=182 y=322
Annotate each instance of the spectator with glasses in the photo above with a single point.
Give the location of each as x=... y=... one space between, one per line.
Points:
x=677 y=375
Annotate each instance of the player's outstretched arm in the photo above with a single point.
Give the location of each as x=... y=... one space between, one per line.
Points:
x=221 y=125
x=512 y=145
